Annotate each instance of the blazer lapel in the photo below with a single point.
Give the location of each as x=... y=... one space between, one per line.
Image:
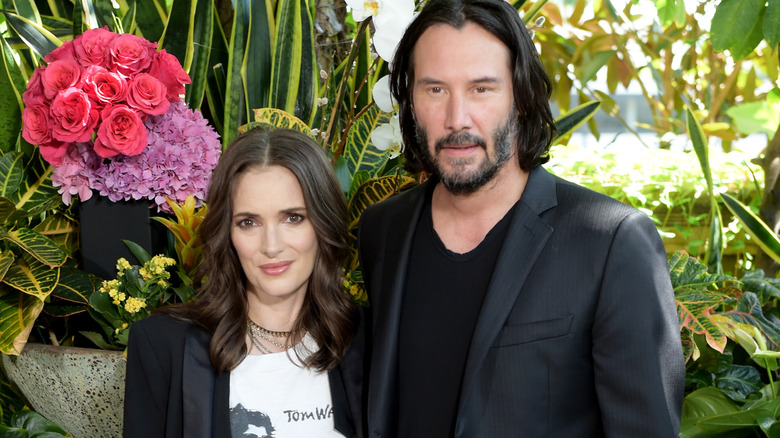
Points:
x=386 y=312
x=197 y=386
x=525 y=239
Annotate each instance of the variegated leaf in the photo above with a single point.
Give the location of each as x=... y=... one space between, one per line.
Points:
x=36 y=193
x=6 y=259
x=62 y=230
x=32 y=277
x=375 y=190
x=11 y=173
x=749 y=311
x=689 y=275
x=37 y=245
x=694 y=309
x=12 y=85
x=360 y=152
x=74 y=285
x=18 y=312
x=276 y=118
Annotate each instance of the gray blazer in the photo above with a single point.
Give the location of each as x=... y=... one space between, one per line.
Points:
x=578 y=335
x=172 y=391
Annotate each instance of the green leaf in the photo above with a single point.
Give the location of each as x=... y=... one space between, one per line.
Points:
x=599 y=60
x=11 y=174
x=199 y=53
x=748 y=311
x=35 y=36
x=747 y=418
x=739 y=381
x=36 y=193
x=36 y=245
x=18 y=312
x=62 y=230
x=137 y=251
x=737 y=26
x=36 y=424
x=150 y=17
x=753 y=117
x=97 y=339
x=755 y=281
x=74 y=285
x=764 y=237
x=249 y=65
x=772 y=23
x=565 y=124
x=294 y=73
x=360 y=152
x=6 y=260
x=32 y=277
x=12 y=85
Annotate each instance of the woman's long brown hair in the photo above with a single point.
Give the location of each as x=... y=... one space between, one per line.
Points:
x=221 y=307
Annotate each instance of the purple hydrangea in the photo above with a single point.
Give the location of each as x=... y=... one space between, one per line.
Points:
x=183 y=149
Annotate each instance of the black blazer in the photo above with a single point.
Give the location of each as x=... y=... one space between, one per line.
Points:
x=578 y=334
x=172 y=390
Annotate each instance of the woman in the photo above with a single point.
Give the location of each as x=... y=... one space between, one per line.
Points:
x=263 y=351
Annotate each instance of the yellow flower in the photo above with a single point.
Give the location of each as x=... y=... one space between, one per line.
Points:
x=134 y=304
x=162 y=283
x=145 y=274
x=122 y=265
x=109 y=285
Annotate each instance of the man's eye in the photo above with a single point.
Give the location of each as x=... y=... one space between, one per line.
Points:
x=481 y=90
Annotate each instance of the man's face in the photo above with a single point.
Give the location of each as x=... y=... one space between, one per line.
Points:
x=463 y=104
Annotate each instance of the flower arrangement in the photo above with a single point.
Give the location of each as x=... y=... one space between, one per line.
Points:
x=106 y=113
x=134 y=294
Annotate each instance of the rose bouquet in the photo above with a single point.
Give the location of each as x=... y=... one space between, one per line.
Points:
x=106 y=113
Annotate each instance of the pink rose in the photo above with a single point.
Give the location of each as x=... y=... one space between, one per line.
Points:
x=91 y=47
x=122 y=132
x=34 y=88
x=35 y=120
x=131 y=54
x=53 y=152
x=167 y=69
x=103 y=86
x=60 y=75
x=147 y=94
x=73 y=116
x=65 y=51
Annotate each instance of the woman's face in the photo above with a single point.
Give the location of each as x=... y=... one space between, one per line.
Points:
x=272 y=234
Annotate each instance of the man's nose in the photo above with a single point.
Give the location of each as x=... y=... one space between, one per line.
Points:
x=458 y=114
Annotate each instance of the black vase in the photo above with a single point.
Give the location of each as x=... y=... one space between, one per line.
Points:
x=105 y=224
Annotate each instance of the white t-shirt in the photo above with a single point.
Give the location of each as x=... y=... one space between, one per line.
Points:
x=272 y=395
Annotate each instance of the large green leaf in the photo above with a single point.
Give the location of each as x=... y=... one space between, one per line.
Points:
x=772 y=23
x=74 y=285
x=704 y=403
x=599 y=60
x=12 y=85
x=11 y=174
x=748 y=311
x=32 y=277
x=294 y=73
x=37 y=245
x=34 y=35
x=36 y=193
x=150 y=17
x=745 y=419
x=18 y=312
x=216 y=75
x=248 y=72
x=756 y=281
x=737 y=26
x=6 y=260
x=753 y=117
x=62 y=230
x=572 y=120
x=199 y=52
x=739 y=381
x=766 y=239
x=360 y=152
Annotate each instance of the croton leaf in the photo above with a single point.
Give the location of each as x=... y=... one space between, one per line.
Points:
x=375 y=190
x=37 y=245
x=276 y=118
x=360 y=152
x=18 y=312
x=756 y=281
x=748 y=311
x=32 y=277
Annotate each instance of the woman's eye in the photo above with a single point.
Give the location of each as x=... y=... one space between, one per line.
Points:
x=294 y=218
x=246 y=223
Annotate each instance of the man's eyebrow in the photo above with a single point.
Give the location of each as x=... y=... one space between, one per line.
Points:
x=479 y=80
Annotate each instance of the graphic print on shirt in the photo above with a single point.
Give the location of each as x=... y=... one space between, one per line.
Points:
x=250 y=424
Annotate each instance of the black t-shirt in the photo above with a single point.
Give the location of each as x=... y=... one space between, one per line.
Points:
x=442 y=300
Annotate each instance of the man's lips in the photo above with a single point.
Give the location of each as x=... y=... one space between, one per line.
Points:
x=460 y=149
x=276 y=268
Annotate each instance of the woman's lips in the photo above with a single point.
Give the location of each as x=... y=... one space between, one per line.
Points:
x=276 y=268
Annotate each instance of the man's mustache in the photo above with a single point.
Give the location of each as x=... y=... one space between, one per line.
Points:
x=460 y=138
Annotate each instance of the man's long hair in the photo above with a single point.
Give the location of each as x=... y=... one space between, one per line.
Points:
x=531 y=85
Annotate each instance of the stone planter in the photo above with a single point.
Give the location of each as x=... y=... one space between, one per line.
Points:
x=80 y=389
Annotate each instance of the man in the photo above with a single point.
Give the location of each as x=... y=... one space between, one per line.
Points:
x=504 y=301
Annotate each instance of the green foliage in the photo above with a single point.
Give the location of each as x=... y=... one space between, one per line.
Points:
x=738 y=26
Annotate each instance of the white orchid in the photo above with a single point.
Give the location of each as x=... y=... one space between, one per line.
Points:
x=381 y=10
x=382 y=97
x=388 y=137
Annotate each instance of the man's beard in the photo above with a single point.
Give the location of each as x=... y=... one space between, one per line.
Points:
x=460 y=181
